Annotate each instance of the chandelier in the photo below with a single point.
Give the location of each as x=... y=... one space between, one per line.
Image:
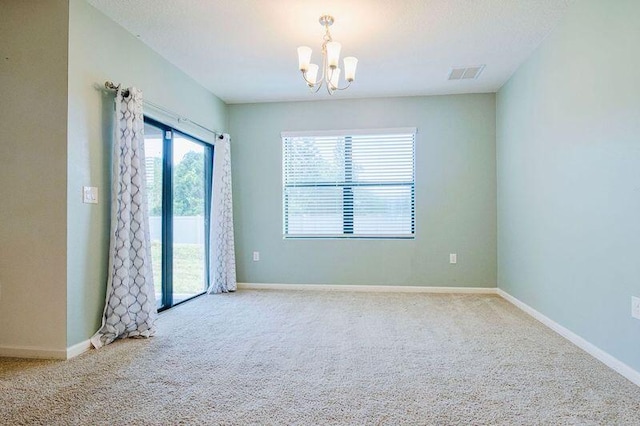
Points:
x=330 y=60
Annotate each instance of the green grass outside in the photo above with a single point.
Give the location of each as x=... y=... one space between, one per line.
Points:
x=188 y=267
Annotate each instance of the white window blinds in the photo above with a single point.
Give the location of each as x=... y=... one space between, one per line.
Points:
x=350 y=184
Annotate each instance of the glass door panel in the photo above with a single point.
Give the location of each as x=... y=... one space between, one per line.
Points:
x=189 y=218
x=154 y=154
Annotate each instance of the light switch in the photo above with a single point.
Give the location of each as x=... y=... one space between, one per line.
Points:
x=90 y=194
x=635 y=307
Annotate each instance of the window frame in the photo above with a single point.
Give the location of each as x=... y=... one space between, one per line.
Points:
x=347 y=197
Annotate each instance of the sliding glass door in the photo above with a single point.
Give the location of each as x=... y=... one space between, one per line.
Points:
x=178 y=175
x=190 y=217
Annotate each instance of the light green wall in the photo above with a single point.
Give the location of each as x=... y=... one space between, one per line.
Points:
x=100 y=50
x=568 y=148
x=33 y=166
x=455 y=194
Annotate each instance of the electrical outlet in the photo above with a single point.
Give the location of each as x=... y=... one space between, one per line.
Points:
x=256 y=256
x=635 y=307
x=453 y=258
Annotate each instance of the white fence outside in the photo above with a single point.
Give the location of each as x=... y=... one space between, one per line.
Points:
x=186 y=229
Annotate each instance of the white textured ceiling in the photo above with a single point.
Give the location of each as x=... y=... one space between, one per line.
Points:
x=245 y=50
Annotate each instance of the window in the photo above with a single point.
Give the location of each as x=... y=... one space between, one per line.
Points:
x=349 y=184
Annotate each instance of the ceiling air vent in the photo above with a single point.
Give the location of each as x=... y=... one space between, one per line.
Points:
x=467 y=73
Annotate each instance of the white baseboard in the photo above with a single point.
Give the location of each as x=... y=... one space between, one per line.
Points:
x=44 y=353
x=367 y=288
x=607 y=359
x=32 y=352
x=78 y=348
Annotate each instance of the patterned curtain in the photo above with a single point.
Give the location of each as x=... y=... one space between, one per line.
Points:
x=130 y=308
x=222 y=277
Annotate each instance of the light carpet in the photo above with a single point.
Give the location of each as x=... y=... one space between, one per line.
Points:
x=316 y=358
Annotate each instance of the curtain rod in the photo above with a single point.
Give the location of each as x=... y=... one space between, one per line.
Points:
x=109 y=85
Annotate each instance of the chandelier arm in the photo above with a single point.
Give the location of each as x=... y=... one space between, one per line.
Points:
x=312 y=87
x=304 y=75
x=330 y=72
x=345 y=87
x=330 y=88
x=316 y=88
x=333 y=89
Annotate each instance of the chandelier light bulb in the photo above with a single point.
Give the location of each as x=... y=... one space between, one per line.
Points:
x=350 y=64
x=304 y=58
x=333 y=54
x=335 y=78
x=312 y=75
